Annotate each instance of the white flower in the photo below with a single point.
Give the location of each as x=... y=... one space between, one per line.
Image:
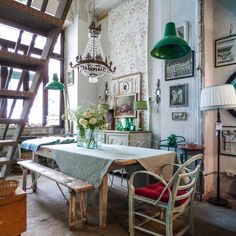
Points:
x=92 y=121
x=83 y=122
x=87 y=114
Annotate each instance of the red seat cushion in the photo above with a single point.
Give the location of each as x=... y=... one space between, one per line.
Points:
x=154 y=191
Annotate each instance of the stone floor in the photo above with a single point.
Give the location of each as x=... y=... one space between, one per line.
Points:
x=47 y=214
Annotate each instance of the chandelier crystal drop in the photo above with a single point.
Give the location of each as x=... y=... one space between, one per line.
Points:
x=93 y=63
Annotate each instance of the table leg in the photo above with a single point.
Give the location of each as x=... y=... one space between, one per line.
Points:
x=33 y=175
x=24 y=179
x=103 y=192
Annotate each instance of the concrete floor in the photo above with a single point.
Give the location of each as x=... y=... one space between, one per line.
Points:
x=47 y=214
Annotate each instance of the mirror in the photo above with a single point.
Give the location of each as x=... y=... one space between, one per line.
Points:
x=232 y=80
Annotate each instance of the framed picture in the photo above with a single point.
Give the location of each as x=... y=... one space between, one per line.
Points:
x=127 y=84
x=225 y=51
x=70 y=77
x=179 y=95
x=179 y=115
x=124 y=106
x=232 y=80
x=182 y=30
x=228 y=141
x=179 y=68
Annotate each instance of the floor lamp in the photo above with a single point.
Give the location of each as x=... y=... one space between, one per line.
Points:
x=216 y=98
x=55 y=84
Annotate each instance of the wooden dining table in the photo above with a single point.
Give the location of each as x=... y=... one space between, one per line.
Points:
x=119 y=157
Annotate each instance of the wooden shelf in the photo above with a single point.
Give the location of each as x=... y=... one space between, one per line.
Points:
x=27 y=18
x=15 y=94
x=23 y=62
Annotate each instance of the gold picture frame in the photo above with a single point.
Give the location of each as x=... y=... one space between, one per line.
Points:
x=124 y=105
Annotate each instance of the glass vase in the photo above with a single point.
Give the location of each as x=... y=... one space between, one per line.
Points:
x=92 y=138
x=81 y=138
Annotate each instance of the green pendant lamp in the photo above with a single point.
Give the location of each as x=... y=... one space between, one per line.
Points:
x=171 y=46
x=55 y=84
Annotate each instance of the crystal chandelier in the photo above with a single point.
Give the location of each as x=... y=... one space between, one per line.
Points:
x=92 y=63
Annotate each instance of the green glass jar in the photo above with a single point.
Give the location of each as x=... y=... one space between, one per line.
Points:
x=119 y=126
x=127 y=125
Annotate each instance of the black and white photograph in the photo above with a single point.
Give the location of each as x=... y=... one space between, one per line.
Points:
x=179 y=95
x=182 y=30
x=228 y=141
x=180 y=68
x=232 y=80
x=225 y=51
x=179 y=116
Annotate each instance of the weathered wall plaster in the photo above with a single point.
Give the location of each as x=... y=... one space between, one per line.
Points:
x=76 y=40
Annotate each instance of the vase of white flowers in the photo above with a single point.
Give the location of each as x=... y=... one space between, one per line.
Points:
x=89 y=121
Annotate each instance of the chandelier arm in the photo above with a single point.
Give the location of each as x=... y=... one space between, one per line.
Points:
x=93 y=63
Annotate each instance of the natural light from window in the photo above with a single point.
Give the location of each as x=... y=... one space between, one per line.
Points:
x=36 y=113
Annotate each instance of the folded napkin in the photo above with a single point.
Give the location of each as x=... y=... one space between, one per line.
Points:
x=34 y=144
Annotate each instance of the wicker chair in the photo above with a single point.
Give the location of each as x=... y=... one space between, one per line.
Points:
x=170 y=199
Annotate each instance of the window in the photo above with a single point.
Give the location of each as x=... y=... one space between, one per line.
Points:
x=46 y=109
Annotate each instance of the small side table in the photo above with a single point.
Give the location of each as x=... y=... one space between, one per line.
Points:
x=188 y=150
x=13 y=213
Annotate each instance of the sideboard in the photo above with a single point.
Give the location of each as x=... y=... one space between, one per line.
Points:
x=124 y=137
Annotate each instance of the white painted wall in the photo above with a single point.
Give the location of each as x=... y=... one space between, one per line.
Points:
x=76 y=40
x=155 y=66
x=106 y=50
x=71 y=42
x=219 y=15
x=187 y=128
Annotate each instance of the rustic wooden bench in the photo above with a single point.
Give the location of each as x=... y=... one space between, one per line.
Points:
x=73 y=184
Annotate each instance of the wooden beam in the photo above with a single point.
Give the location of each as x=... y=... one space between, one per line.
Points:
x=15 y=94
x=62 y=70
x=20 y=61
x=5 y=143
x=11 y=121
x=27 y=18
x=45 y=98
x=10 y=44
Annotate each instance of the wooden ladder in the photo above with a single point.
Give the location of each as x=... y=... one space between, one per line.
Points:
x=37 y=22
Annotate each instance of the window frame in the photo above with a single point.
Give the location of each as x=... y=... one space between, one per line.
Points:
x=7 y=44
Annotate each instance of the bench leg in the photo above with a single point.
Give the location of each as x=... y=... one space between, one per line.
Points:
x=72 y=210
x=24 y=179
x=83 y=206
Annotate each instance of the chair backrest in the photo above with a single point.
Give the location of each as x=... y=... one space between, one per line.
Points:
x=182 y=185
x=172 y=140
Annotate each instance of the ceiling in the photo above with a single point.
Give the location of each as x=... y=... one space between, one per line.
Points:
x=102 y=7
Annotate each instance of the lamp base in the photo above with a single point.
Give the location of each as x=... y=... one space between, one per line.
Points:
x=218 y=201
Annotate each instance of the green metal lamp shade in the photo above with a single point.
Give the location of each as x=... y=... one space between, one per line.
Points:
x=171 y=46
x=55 y=84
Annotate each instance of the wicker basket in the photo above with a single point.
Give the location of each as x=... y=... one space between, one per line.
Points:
x=8 y=187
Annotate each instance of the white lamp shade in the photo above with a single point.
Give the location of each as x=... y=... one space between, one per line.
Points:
x=221 y=96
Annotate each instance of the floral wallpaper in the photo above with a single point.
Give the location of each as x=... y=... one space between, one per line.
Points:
x=128 y=34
